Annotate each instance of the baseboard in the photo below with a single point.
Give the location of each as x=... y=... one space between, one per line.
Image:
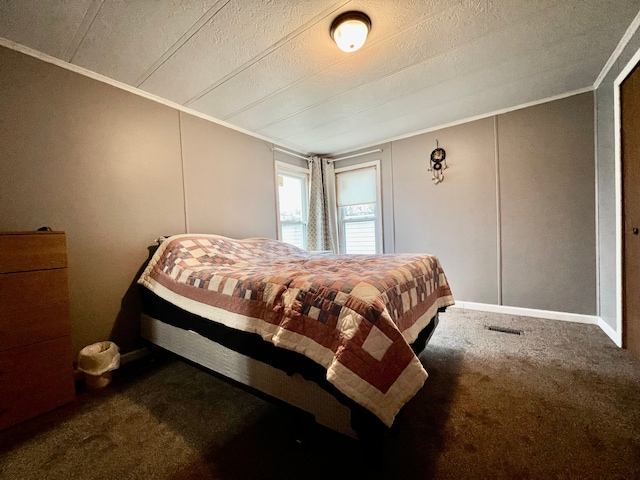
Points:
x=615 y=336
x=125 y=358
x=529 y=312
x=134 y=355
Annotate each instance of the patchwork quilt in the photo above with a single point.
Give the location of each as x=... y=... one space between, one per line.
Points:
x=356 y=315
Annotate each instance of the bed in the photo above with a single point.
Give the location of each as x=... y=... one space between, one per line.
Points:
x=330 y=334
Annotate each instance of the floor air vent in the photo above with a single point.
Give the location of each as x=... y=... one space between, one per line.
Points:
x=504 y=330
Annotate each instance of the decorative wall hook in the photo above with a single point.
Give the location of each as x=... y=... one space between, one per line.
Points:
x=437 y=164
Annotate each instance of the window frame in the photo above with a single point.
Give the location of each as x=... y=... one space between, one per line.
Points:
x=291 y=170
x=378 y=216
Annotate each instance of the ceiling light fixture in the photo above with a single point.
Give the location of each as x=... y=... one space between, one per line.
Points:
x=349 y=30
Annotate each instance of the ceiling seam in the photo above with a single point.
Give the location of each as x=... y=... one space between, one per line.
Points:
x=266 y=52
x=462 y=121
x=82 y=30
x=184 y=38
x=85 y=72
x=324 y=124
x=405 y=93
x=367 y=46
x=409 y=92
x=397 y=71
x=517 y=80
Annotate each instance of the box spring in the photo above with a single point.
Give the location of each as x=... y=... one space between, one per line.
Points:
x=249 y=360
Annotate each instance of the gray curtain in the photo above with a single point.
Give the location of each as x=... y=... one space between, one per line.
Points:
x=321 y=225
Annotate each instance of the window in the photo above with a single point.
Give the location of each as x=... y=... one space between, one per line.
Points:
x=293 y=198
x=359 y=214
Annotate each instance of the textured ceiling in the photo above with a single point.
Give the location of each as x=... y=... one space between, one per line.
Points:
x=270 y=67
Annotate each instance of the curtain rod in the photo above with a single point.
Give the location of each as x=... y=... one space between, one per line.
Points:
x=356 y=155
x=290 y=153
x=331 y=159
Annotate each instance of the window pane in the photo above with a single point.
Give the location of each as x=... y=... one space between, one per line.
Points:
x=294 y=234
x=293 y=192
x=358 y=211
x=360 y=237
x=290 y=198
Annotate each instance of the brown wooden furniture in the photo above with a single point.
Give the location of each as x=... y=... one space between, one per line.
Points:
x=36 y=364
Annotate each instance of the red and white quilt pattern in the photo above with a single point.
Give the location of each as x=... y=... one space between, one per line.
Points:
x=354 y=314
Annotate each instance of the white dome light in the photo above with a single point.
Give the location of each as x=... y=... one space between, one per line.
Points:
x=350 y=30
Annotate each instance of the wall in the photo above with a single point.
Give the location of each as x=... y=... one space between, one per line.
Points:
x=547 y=190
x=513 y=223
x=455 y=220
x=105 y=166
x=606 y=188
x=108 y=167
x=230 y=181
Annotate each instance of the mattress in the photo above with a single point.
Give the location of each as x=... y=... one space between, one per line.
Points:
x=352 y=318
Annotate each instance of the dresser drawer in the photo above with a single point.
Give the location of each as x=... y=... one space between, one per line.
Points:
x=34 y=379
x=32 y=289
x=25 y=251
x=33 y=325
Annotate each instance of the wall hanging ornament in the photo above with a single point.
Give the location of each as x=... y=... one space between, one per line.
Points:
x=437 y=164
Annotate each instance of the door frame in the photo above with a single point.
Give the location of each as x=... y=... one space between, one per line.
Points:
x=617 y=128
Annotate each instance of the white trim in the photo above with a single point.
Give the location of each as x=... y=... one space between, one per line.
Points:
x=617 y=125
x=358 y=166
x=134 y=355
x=473 y=119
x=291 y=166
x=529 y=312
x=128 y=88
x=597 y=199
x=624 y=41
x=297 y=171
x=287 y=152
x=378 y=220
x=125 y=359
x=618 y=204
x=355 y=155
x=616 y=337
x=149 y=96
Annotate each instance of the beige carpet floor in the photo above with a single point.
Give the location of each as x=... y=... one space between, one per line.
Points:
x=558 y=401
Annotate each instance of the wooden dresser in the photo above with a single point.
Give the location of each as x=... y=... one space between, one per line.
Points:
x=36 y=363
